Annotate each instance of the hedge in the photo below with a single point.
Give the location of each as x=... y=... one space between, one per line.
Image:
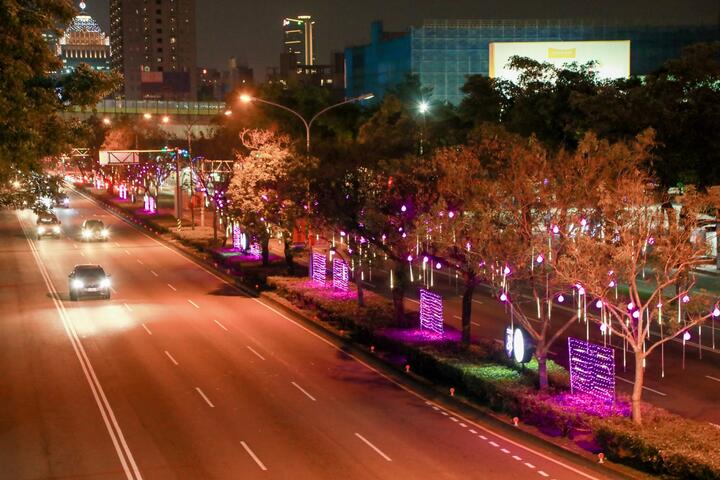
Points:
x=665 y=444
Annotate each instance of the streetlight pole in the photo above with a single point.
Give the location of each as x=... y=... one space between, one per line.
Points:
x=308 y=124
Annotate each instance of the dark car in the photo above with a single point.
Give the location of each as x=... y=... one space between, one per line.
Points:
x=94 y=230
x=89 y=280
x=48 y=225
x=62 y=200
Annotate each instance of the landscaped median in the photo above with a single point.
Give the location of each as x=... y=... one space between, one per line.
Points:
x=666 y=444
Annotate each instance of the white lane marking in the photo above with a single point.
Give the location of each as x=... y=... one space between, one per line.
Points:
x=207 y=400
x=117 y=244
x=493 y=444
x=173 y=288
x=529 y=465
x=454 y=419
x=477 y=301
x=483 y=437
x=82 y=254
x=475 y=323
x=171 y=358
x=256 y=353
x=462 y=425
x=435 y=408
x=221 y=325
x=253 y=456
x=146 y=329
x=139 y=261
x=413 y=300
x=472 y=431
x=516 y=458
x=457 y=317
x=304 y=391
x=126 y=251
x=128 y=307
x=75 y=245
x=193 y=304
x=712 y=378
x=113 y=290
x=445 y=413
x=332 y=345
x=505 y=450
x=106 y=411
x=543 y=473
x=379 y=452
x=153 y=272
x=646 y=388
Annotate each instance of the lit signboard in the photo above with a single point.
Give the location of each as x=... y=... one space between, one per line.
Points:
x=612 y=57
x=518 y=345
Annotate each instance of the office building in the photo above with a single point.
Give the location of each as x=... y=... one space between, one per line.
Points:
x=298 y=44
x=83 y=42
x=444 y=52
x=153 y=46
x=216 y=85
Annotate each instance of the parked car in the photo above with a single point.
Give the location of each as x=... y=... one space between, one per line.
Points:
x=47 y=225
x=94 y=230
x=88 y=280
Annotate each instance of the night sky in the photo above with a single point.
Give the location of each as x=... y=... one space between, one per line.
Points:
x=252 y=30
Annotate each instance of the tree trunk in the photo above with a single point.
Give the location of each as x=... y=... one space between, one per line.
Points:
x=717 y=239
x=467 y=309
x=637 y=388
x=398 y=295
x=541 y=356
x=265 y=244
x=288 y=255
x=360 y=294
x=215 y=225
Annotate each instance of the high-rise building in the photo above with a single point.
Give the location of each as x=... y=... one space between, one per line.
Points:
x=298 y=40
x=153 y=46
x=84 y=42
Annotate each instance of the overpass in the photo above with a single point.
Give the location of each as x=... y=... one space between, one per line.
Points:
x=154 y=107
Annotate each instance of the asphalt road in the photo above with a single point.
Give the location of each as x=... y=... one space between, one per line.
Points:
x=179 y=376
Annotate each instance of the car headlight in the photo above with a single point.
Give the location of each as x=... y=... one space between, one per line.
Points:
x=56 y=229
x=77 y=283
x=105 y=232
x=41 y=230
x=86 y=233
x=105 y=283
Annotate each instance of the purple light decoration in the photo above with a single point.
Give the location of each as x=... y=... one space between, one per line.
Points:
x=503 y=297
x=451 y=214
x=636 y=314
x=685 y=298
x=716 y=312
x=237 y=244
x=425 y=259
x=540 y=258
x=630 y=306
x=611 y=284
x=686 y=336
x=438 y=265
x=560 y=298
x=555 y=229
x=592 y=369
x=506 y=270
x=255 y=250
x=651 y=241
x=318 y=267
x=599 y=304
x=409 y=258
x=431 y=311
x=340 y=275
x=403 y=208
x=583 y=222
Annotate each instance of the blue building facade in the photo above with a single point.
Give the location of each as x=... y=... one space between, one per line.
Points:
x=444 y=52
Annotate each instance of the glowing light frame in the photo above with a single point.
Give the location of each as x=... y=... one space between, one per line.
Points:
x=318 y=267
x=431 y=311
x=340 y=275
x=592 y=369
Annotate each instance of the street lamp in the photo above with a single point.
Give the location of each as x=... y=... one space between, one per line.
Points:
x=245 y=98
x=147 y=116
x=165 y=119
x=106 y=121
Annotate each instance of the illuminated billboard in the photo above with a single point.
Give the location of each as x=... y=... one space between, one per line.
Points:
x=612 y=57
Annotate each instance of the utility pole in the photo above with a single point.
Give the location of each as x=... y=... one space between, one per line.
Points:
x=178 y=189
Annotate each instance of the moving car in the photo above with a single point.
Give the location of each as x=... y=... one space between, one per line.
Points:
x=94 y=230
x=48 y=225
x=89 y=279
x=62 y=200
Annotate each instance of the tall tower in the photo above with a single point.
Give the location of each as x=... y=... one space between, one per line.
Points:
x=153 y=46
x=84 y=42
x=298 y=39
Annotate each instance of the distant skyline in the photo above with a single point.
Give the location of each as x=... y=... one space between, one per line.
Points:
x=252 y=31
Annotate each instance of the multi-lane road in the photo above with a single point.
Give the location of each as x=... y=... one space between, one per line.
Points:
x=180 y=376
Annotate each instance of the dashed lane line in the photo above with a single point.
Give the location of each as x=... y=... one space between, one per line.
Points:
x=253 y=456
x=256 y=353
x=172 y=359
x=146 y=329
x=221 y=325
x=153 y=272
x=193 y=304
x=172 y=288
x=202 y=394
x=369 y=444
x=304 y=391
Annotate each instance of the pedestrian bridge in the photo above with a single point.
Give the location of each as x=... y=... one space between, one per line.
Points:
x=156 y=107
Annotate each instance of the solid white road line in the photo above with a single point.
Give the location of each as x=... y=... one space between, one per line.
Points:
x=221 y=325
x=193 y=304
x=361 y=362
x=173 y=288
x=207 y=400
x=646 y=388
x=106 y=412
x=712 y=378
x=171 y=358
x=304 y=391
x=253 y=456
x=126 y=251
x=256 y=353
x=379 y=452
x=139 y=261
x=505 y=450
x=153 y=272
x=147 y=329
x=128 y=307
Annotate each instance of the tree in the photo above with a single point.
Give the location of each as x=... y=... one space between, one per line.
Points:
x=31 y=96
x=633 y=239
x=268 y=191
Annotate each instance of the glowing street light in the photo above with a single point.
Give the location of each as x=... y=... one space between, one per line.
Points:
x=165 y=119
x=245 y=98
x=423 y=107
x=147 y=116
x=228 y=113
x=107 y=121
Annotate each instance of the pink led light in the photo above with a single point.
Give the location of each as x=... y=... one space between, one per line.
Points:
x=630 y=306
x=599 y=304
x=503 y=297
x=636 y=314
x=603 y=327
x=685 y=299
x=539 y=258
x=716 y=312
x=592 y=369
x=403 y=208
x=555 y=229
x=318 y=267
x=611 y=284
x=686 y=336
x=560 y=298
x=451 y=214
x=437 y=265
x=340 y=275
x=506 y=270
x=409 y=258
x=425 y=259
x=583 y=222
x=431 y=311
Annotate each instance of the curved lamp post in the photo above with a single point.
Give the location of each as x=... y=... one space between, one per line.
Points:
x=308 y=124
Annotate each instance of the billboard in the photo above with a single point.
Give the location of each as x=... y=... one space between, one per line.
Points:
x=612 y=57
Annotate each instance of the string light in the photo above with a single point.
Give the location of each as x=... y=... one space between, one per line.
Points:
x=340 y=275
x=592 y=369
x=318 y=267
x=431 y=311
